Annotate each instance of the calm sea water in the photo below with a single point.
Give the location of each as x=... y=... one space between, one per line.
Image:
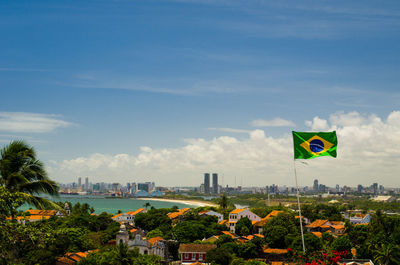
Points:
x=101 y=204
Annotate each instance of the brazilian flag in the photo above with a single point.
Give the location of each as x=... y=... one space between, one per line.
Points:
x=309 y=145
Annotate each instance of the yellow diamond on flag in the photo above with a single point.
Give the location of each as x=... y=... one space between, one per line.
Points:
x=316 y=145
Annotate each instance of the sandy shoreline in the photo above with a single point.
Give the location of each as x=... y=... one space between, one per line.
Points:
x=188 y=202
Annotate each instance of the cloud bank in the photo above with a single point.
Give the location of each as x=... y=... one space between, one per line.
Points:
x=368 y=151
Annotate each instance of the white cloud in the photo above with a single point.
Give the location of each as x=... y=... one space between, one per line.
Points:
x=276 y=122
x=368 y=151
x=24 y=122
x=317 y=124
x=230 y=130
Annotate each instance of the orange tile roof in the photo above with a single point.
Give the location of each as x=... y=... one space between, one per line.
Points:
x=337 y=222
x=196 y=247
x=338 y=226
x=228 y=234
x=178 y=213
x=259 y=235
x=237 y=211
x=41 y=212
x=272 y=214
x=133 y=230
x=203 y=212
x=264 y=220
x=154 y=240
x=137 y=211
x=275 y=251
x=317 y=223
x=249 y=237
x=318 y=234
x=37 y=217
x=277 y=263
x=223 y=222
x=115 y=216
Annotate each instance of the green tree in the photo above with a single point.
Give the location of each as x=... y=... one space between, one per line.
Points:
x=21 y=171
x=189 y=231
x=154 y=233
x=312 y=243
x=219 y=256
x=341 y=243
x=386 y=254
x=243 y=226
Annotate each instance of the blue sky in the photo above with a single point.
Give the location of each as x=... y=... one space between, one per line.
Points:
x=85 y=78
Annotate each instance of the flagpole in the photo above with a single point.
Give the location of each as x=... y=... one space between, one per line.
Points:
x=298 y=203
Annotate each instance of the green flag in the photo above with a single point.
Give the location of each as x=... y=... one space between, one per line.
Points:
x=309 y=145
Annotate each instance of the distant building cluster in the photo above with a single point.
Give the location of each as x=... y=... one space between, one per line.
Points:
x=131 y=189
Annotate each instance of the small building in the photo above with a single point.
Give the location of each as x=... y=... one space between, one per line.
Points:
x=212 y=213
x=258 y=226
x=360 y=219
x=382 y=198
x=191 y=253
x=238 y=214
x=336 y=228
x=155 y=246
x=128 y=217
x=73 y=258
x=178 y=216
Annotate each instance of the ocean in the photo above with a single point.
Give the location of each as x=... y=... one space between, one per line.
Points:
x=101 y=204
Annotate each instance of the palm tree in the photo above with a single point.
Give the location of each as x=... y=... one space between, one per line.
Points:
x=387 y=254
x=21 y=172
x=147 y=204
x=223 y=202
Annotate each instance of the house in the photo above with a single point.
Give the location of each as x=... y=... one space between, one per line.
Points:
x=337 y=228
x=275 y=254
x=155 y=246
x=191 y=253
x=178 y=216
x=73 y=258
x=360 y=219
x=383 y=198
x=128 y=217
x=212 y=213
x=238 y=214
x=258 y=226
x=37 y=215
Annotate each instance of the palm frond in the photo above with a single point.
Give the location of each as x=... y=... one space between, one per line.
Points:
x=41 y=186
x=41 y=203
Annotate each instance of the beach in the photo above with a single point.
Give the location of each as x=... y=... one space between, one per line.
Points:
x=188 y=202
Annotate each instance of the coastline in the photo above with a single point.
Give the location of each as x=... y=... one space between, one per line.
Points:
x=188 y=202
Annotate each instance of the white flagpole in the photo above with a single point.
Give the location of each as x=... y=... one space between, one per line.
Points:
x=298 y=203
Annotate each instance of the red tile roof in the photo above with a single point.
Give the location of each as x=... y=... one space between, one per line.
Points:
x=196 y=247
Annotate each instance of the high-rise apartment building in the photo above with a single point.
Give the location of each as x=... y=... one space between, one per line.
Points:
x=87 y=183
x=207 y=183
x=316 y=186
x=215 y=183
x=79 y=182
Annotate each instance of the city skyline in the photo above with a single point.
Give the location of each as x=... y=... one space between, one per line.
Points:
x=169 y=90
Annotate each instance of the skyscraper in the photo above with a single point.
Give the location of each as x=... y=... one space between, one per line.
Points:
x=79 y=182
x=215 y=183
x=86 y=183
x=207 y=183
x=316 y=186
